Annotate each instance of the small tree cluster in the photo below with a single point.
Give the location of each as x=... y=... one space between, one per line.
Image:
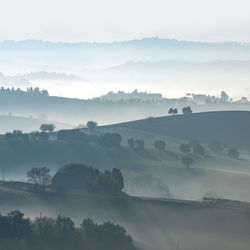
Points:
x=47 y=127
x=173 y=111
x=91 y=124
x=39 y=176
x=79 y=176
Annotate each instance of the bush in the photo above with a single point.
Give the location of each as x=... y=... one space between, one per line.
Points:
x=160 y=145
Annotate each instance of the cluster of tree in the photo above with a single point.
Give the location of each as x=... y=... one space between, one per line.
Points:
x=18 y=92
x=47 y=127
x=81 y=177
x=39 y=176
x=20 y=233
x=173 y=111
x=75 y=136
x=91 y=125
x=16 y=136
x=137 y=144
x=187 y=110
x=19 y=136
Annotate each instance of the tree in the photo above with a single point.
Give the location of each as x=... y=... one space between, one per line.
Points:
x=91 y=124
x=187 y=161
x=39 y=176
x=216 y=147
x=47 y=127
x=187 y=110
x=160 y=145
x=173 y=111
x=185 y=148
x=233 y=152
x=131 y=143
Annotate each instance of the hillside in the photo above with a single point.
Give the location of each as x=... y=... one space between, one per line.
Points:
x=184 y=224
x=231 y=128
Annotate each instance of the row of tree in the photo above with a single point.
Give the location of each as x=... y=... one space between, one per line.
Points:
x=21 y=233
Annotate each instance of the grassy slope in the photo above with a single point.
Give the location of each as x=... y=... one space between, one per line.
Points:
x=151 y=173
x=154 y=171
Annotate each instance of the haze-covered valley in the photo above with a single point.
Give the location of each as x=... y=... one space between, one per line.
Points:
x=87 y=70
x=125 y=145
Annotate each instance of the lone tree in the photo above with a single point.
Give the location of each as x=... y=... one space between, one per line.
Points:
x=160 y=145
x=185 y=148
x=91 y=124
x=187 y=110
x=39 y=176
x=173 y=111
x=187 y=161
x=233 y=152
x=47 y=127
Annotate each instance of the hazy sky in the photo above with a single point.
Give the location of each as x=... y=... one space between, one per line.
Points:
x=108 y=20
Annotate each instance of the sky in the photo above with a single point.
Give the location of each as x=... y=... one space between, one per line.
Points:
x=115 y=20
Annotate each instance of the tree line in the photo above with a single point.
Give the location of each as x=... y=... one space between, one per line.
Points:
x=18 y=232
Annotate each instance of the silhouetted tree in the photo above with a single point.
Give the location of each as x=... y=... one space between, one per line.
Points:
x=187 y=161
x=185 y=148
x=91 y=124
x=39 y=176
x=187 y=110
x=46 y=127
x=160 y=145
x=173 y=111
x=233 y=152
